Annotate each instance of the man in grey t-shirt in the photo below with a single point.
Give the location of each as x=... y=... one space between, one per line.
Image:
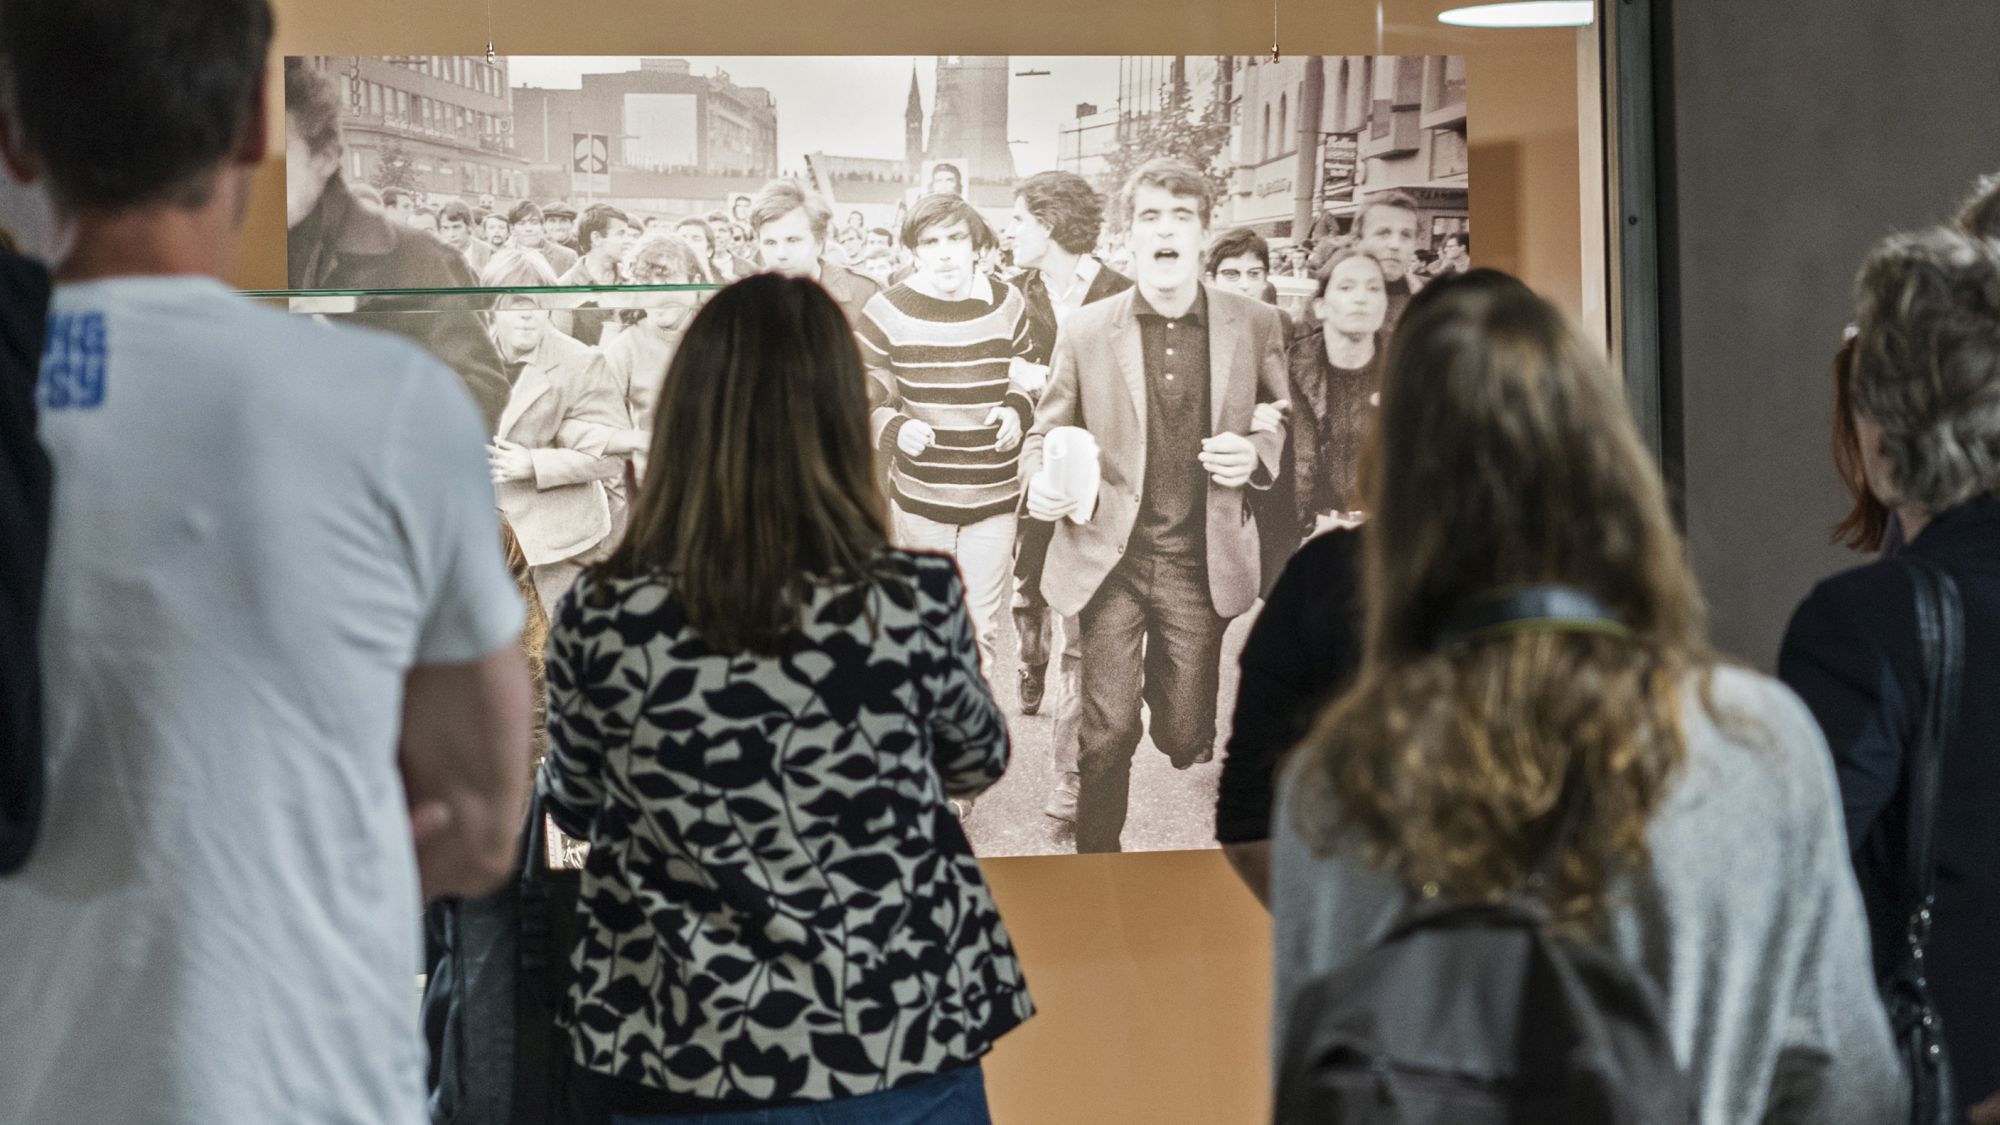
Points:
x=279 y=635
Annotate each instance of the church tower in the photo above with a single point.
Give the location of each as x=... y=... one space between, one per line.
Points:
x=913 y=127
x=969 y=117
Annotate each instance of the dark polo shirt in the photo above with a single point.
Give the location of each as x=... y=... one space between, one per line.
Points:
x=1173 y=509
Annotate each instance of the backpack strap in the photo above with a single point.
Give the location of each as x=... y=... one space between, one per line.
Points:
x=1941 y=636
x=1508 y=610
x=1571 y=805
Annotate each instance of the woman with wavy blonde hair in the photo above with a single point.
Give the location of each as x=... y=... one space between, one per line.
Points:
x=1534 y=656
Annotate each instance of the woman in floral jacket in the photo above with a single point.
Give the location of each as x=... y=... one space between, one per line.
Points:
x=757 y=713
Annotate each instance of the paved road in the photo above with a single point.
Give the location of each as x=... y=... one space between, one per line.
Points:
x=1170 y=810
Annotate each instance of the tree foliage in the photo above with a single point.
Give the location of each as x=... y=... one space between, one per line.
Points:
x=1178 y=129
x=395 y=169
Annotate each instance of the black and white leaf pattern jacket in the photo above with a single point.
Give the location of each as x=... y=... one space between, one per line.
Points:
x=779 y=903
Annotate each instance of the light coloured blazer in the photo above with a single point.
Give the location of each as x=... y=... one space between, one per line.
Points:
x=1098 y=382
x=639 y=357
x=564 y=405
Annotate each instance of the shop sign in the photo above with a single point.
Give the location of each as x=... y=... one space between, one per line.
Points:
x=1338 y=165
x=1274 y=185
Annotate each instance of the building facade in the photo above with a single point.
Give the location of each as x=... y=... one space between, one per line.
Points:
x=442 y=125
x=1084 y=143
x=1398 y=122
x=660 y=118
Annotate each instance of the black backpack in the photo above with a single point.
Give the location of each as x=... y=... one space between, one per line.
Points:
x=1480 y=1014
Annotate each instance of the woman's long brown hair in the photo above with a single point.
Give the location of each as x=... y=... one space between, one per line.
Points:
x=761 y=476
x=1505 y=455
x=1868 y=520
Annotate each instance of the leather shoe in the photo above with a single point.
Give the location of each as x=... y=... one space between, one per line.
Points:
x=1034 y=683
x=1062 y=803
x=1188 y=761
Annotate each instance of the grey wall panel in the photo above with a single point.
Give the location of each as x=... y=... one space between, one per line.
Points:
x=1800 y=132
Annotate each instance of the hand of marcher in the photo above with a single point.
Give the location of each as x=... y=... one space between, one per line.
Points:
x=1044 y=504
x=1269 y=417
x=1009 y=421
x=915 y=437
x=1986 y=1112
x=1229 y=459
x=510 y=462
x=1028 y=376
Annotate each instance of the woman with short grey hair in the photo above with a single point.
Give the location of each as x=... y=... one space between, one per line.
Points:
x=1926 y=408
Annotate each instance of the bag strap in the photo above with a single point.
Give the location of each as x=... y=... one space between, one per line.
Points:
x=535 y=862
x=1941 y=635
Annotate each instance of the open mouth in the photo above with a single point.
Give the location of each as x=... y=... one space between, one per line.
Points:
x=1166 y=255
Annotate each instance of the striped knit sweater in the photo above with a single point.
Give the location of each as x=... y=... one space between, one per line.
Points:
x=946 y=363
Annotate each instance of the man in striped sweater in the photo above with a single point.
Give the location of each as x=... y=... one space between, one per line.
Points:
x=944 y=350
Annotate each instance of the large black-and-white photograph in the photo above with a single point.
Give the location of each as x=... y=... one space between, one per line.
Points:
x=1119 y=487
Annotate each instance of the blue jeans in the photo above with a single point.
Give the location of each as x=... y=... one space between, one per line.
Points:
x=956 y=1097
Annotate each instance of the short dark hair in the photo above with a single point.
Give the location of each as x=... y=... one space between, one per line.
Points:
x=1177 y=177
x=456 y=211
x=128 y=106
x=888 y=235
x=312 y=107
x=524 y=212
x=1065 y=203
x=948 y=166
x=940 y=207
x=1462 y=238
x=390 y=195
x=597 y=220
x=1237 y=243
x=1396 y=200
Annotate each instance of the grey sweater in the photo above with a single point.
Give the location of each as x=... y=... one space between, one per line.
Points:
x=1747 y=921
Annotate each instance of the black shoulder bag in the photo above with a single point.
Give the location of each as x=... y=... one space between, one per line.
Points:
x=1906 y=991
x=499 y=973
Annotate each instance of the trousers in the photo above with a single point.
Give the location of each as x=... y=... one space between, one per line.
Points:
x=956 y=1097
x=985 y=554
x=1035 y=623
x=1150 y=634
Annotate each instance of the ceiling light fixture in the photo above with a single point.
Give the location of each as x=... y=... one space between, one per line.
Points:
x=1533 y=13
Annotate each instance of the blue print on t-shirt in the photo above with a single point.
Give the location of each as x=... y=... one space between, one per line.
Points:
x=73 y=362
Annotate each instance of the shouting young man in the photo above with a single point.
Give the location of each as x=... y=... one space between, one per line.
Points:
x=1166 y=377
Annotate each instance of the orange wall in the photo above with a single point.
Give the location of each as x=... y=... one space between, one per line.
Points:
x=1151 y=971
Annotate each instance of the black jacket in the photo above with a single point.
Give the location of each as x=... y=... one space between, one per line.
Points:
x=1302 y=653
x=345 y=244
x=1852 y=654
x=1042 y=311
x=24 y=541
